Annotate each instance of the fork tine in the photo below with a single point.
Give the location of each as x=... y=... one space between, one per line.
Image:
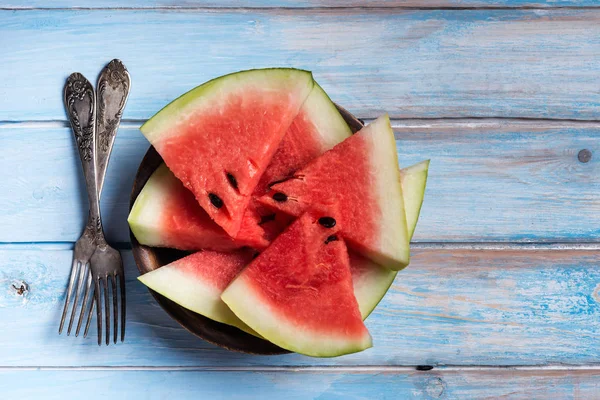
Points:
x=74 y=271
x=113 y=279
x=80 y=280
x=89 y=319
x=122 y=285
x=106 y=310
x=84 y=305
x=98 y=309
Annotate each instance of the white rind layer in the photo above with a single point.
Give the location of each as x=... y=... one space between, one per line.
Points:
x=371 y=284
x=393 y=242
x=329 y=123
x=191 y=293
x=414 y=179
x=146 y=214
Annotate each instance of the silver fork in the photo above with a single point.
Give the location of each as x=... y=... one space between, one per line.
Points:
x=106 y=264
x=80 y=103
x=113 y=90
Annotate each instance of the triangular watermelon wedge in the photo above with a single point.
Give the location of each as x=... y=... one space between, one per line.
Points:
x=318 y=127
x=361 y=175
x=166 y=214
x=197 y=281
x=371 y=281
x=298 y=293
x=219 y=137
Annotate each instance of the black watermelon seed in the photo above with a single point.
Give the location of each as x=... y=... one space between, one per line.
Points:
x=331 y=238
x=215 y=200
x=266 y=218
x=327 y=222
x=280 y=197
x=255 y=255
x=232 y=180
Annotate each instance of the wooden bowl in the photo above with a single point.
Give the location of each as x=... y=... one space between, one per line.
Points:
x=151 y=258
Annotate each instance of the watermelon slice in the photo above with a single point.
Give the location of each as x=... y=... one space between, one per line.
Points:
x=317 y=128
x=298 y=293
x=371 y=280
x=361 y=175
x=219 y=137
x=197 y=281
x=166 y=214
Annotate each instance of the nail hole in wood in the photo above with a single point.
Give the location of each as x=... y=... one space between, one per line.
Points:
x=584 y=156
x=424 y=367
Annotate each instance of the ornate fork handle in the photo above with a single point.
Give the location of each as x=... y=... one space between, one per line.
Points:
x=112 y=92
x=80 y=103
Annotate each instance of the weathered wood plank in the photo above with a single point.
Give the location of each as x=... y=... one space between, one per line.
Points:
x=440 y=63
x=332 y=384
x=489 y=181
x=450 y=307
x=22 y=4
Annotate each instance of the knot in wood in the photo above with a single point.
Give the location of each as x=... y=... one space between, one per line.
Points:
x=21 y=288
x=435 y=387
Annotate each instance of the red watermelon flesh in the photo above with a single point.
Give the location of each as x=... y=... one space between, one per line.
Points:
x=219 y=137
x=298 y=293
x=361 y=175
x=166 y=214
x=317 y=128
x=197 y=281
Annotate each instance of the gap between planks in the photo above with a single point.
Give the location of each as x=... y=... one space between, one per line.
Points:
x=358 y=9
x=483 y=246
x=398 y=123
x=313 y=369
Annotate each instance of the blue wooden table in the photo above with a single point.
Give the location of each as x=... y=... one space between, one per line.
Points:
x=502 y=297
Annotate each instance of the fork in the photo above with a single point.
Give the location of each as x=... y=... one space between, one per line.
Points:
x=80 y=103
x=113 y=90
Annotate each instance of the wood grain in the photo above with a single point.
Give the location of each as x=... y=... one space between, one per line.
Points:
x=410 y=63
x=449 y=307
x=489 y=181
x=438 y=384
x=187 y=4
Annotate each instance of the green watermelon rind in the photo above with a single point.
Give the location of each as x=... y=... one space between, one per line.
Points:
x=246 y=304
x=372 y=288
x=414 y=178
x=193 y=295
x=205 y=94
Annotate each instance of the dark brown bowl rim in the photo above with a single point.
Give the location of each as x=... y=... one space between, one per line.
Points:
x=219 y=334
